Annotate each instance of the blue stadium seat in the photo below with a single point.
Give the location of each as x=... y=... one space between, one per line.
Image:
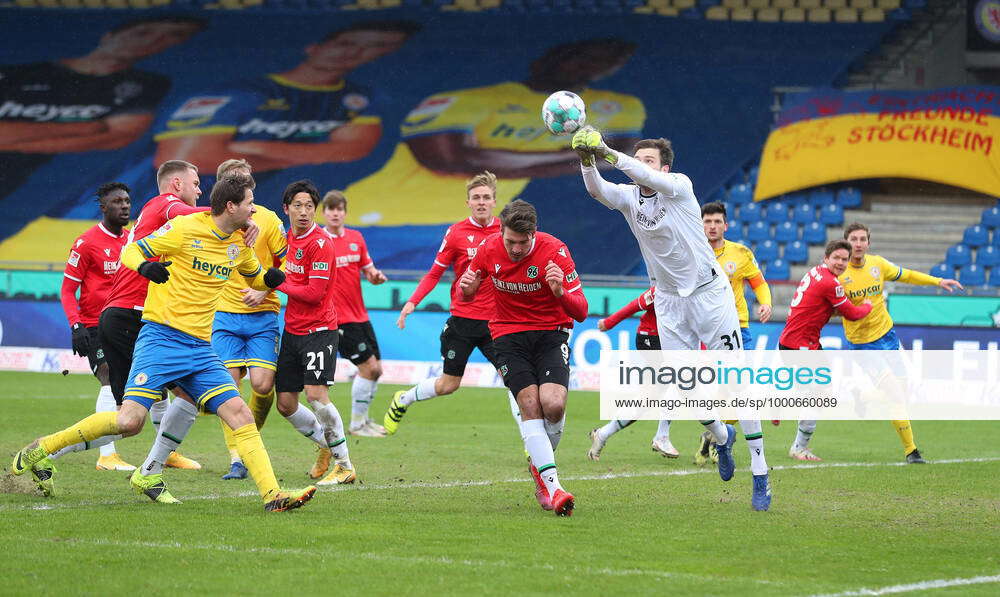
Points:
x=796 y=252
x=777 y=270
x=991 y=218
x=786 y=232
x=766 y=250
x=746 y=244
x=758 y=231
x=958 y=255
x=832 y=215
x=814 y=234
x=777 y=212
x=741 y=193
x=750 y=212
x=972 y=275
x=820 y=198
x=735 y=231
x=849 y=198
x=795 y=199
x=942 y=270
x=803 y=214
x=975 y=236
x=988 y=256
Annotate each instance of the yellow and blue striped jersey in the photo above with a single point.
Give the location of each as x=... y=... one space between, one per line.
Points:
x=738 y=262
x=502 y=117
x=867 y=281
x=271 y=244
x=202 y=261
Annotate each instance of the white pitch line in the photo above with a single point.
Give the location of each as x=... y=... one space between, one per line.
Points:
x=917 y=586
x=422 y=560
x=488 y=482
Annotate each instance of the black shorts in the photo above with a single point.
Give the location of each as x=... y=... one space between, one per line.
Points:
x=647 y=341
x=307 y=360
x=357 y=342
x=459 y=337
x=532 y=358
x=96 y=354
x=118 y=329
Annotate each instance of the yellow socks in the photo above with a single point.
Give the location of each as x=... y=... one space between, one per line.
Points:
x=227 y=434
x=87 y=430
x=260 y=406
x=255 y=458
x=905 y=435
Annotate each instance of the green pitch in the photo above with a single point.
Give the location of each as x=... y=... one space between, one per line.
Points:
x=446 y=506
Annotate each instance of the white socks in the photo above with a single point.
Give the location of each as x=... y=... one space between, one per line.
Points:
x=611 y=428
x=718 y=429
x=362 y=392
x=157 y=411
x=422 y=391
x=554 y=431
x=540 y=449
x=305 y=422
x=106 y=403
x=333 y=428
x=805 y=433
x=755 y=444
x=663 y=430
x=174 y=425
x=80 y=447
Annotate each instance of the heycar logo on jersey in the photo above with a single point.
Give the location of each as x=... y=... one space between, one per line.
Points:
x=216 y=271
x=872 y=290
x=282 y=129
x=50 y=112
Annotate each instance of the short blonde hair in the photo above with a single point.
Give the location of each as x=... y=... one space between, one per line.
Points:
x=171 y=167
x=483 y=179
x=233 y=164
x=334 y=199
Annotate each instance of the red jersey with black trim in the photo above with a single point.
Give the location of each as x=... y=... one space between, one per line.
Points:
x=524 y=300
x=818 y=294
x=93 y=261
x=128 y=290
x=352 y=257
x=459 y=246
x=647 y=323
x=311 y=256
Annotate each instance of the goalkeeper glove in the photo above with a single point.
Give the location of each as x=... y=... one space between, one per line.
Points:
x=274 y=277
x=590 y=139
x=156 y=271
x=579 y=145
x=81 y=340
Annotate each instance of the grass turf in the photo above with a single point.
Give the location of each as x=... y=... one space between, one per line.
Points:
x=446 y=506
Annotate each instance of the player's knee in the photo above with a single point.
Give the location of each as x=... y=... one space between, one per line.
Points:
x=262 y=386
x=130 y=419
x=371 y=369
x=288 y=403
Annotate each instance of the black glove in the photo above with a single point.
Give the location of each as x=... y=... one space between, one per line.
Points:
x=81 y=340
x=156 y=271
x=274 y=277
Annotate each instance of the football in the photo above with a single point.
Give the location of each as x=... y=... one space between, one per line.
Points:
x=564 y=113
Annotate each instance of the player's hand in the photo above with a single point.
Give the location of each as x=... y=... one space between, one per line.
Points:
x=554 y=277
x=403 y=313
x=274 y=277
x=867 y=302
x=763 y=313
x=579 y=145
x=253 y=298
x=950 y=285
x=250 y=232
x=156 y=271
x=81 y=340
x=376 y=277
x=590 y=139
x=469 y=283
x=601 y=325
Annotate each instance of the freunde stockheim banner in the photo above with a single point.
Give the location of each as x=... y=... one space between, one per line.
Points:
x=946 y=135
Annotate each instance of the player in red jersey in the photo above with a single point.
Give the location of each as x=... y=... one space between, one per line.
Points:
x=92 y=263
x=357 y=336
x=308 y=356
x=819 y=294
x=538 y=294
x=467 y=328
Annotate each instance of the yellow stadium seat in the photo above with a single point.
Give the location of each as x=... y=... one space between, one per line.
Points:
x=48 y=3
x=117 y=3
x=90 y=3
x=229 y=4
x=644 y=10
x=758 y=4
x=793 y=15
x=741 y=14
x=872 y=15
x=808 y=4
x=165 y=2
x=769 y=15
x=717 y=13
x=846 y=15
x=72 y=3
x=819 y=15
x=139 y=3
x=835 y=4
x=683 y=4
x=463 y=4
x=862 y=4
x=888 y=4
x=483 y=3
x=783 y=3
x=667 y=11
x=26 y=3
x=731 y=4
x=654 y=4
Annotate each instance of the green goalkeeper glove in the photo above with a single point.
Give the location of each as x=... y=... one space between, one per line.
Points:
x=579 y=145
x=589 y=139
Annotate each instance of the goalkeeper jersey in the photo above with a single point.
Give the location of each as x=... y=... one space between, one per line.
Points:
x=505 y=116
x=202 y=261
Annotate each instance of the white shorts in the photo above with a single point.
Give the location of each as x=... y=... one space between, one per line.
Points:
x=706 y=317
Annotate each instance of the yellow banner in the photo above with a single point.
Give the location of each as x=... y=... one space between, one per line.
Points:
x=960 y=147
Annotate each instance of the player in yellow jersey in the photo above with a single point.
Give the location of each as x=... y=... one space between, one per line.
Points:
x=864 y=279
x=453 y=135
x=173 y=346
x=245 y=332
